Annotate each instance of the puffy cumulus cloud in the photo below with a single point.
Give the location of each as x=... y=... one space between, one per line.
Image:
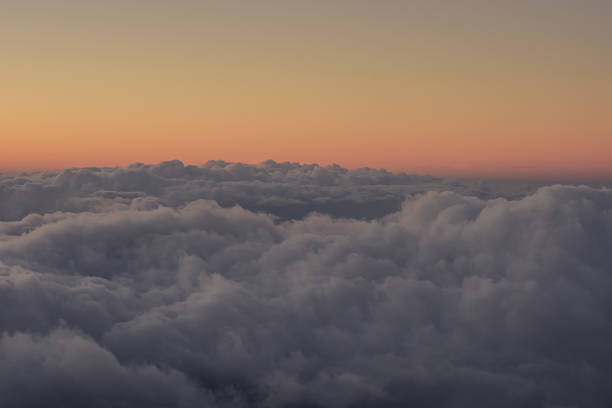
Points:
x=140 y=298
x=64 y=368
x=287 y=190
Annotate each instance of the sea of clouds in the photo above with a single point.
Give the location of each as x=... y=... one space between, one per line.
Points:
x=287 y=285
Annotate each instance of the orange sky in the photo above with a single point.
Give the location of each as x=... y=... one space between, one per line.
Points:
x=487 y=89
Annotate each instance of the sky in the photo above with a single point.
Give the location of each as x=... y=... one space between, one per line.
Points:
x=519 y=89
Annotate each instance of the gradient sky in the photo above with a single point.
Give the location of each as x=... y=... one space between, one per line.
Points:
x=466 y=88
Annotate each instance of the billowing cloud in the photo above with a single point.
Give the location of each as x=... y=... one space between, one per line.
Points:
x=287 y=190
x=150 y=286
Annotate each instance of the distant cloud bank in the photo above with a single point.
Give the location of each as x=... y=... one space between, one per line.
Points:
x=286 y=285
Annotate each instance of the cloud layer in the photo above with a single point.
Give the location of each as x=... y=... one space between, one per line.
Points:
x=123 y=287
x=287 y=190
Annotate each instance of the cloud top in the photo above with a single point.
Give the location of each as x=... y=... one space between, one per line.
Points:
x=130 y=289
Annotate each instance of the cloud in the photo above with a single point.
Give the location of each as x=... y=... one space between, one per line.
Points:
x=135 y=291
x=286 y=190
x=64 y=368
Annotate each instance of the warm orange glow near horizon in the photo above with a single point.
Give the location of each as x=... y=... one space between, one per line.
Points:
x=494 y=91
